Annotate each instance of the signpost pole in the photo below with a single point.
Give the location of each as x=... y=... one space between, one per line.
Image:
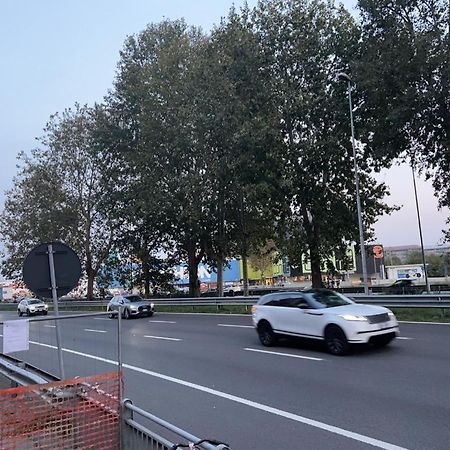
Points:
x=51 y=263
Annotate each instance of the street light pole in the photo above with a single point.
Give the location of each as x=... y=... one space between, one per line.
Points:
x=346 y=78
x=425 y=270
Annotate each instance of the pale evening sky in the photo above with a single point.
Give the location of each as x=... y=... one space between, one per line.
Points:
x=56 y=53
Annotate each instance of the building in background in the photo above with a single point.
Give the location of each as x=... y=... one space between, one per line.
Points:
x=403 y=251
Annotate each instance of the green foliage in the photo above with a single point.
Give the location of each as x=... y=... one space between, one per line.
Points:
x=64 y=192
x=306 y=44
x=403 y=72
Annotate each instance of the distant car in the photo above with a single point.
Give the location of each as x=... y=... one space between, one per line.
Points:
x=404 y=286
x=324 y=315
x=30 y=306
x=132 y=306
x=230 y=290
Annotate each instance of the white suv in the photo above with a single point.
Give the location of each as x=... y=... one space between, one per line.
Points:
x=30 y=306
x=324 y=315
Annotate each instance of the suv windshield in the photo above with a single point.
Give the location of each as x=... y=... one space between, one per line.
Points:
x=327 y=299
x=33 y=302
x=134 y=298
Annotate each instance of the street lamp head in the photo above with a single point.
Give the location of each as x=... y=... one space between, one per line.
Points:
x=343 y=77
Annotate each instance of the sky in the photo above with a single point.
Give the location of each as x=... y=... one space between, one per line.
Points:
x=56 y=53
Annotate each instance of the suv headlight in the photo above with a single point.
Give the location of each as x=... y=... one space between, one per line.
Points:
x=392 y=315
x=354 y=318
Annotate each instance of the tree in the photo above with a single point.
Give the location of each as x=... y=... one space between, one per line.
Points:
x=158 y=88
x=306 y=44
x=66 y=191
x=241 y=141
x=35 y=211
x=403 y=72
x=393 y=260
x=263 y=258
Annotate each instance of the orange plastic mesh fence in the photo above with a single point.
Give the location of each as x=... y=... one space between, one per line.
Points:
x=80 y=413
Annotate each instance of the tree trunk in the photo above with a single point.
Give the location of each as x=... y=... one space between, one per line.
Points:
x=245 y=273
x=194 y=282
x=220 y=275
x=146 y=273
x=316 y=273
x=312 y=233
x=90 y=281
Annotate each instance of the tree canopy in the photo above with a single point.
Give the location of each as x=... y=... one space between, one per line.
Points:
x=216 y=145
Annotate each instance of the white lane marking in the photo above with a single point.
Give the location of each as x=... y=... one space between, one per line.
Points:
x=426 y=323
x=161 y=321
x=163 y=338
x=50 y=326
x=205 y=314
x=404 y=338
x=234 y=326
x=283 y=354
x=101 y=318
x=275 y=411
x=95 y=331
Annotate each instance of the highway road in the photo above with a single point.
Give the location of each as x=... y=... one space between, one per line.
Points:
x=209 y=375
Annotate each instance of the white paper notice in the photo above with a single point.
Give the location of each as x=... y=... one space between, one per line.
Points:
x=16 y=334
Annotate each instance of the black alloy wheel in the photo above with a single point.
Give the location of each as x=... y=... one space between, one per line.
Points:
x=111 y=315
x=266 y=334
x=19 y=312
x=336 y=341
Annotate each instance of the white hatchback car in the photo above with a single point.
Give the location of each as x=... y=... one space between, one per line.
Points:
x=324 y=315
x=31 y=306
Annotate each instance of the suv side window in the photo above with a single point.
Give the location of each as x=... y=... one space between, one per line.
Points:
x=300 y=302
x=287 y=302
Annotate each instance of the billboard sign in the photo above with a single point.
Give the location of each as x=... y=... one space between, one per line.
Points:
x=206 y=274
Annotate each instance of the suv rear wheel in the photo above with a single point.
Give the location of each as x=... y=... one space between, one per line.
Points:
x=266 y=334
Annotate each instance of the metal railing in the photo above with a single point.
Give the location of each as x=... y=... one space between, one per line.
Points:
x=135 y=436
x=394 y=301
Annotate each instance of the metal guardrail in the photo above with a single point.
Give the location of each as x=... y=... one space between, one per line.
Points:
x=394 y=301
x=19 y=373
x=136 y=436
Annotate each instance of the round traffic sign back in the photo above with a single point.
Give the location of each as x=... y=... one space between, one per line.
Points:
x=36 y=269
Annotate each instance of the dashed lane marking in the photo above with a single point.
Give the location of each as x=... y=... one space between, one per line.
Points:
x=283 y=354
x=163 y=338
x=161 y=321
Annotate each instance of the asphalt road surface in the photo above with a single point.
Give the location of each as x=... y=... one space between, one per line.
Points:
x=210 y=375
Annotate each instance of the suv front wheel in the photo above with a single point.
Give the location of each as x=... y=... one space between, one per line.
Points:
x=336 y=341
